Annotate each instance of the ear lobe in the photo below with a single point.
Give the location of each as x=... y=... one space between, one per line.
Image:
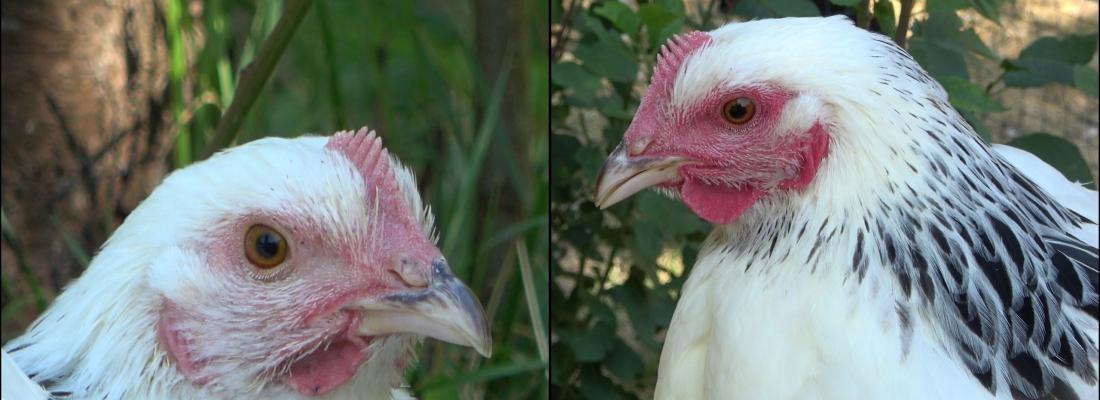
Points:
x=177 y=345
x=812 y=152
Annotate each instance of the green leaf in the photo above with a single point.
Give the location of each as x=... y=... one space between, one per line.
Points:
x=939 y=24
x=978 y=126
x=1050 y=60
x=1031 y=72
x=660 y=23
x=968 y=40
x=676 y=6
x=620 y=15
x=647 y=244
x=598 y=309
x=776 y=8
x=611 y=106
x=672 y=216
x=947 y=5
x=988 y=9
x=845 y=3
x=596 y=386
x=590 y=345
x=944 y=29
x=591 y=160
x=581 y=83
x=967 y=96
x=1059 y=153
x=649 y=310
x=607 y=61
x=565 y=150
x=596 y=27
x=1072 y=49
x=887 y=20
x=1085 y=78
x=936 y=59
x=624 y=363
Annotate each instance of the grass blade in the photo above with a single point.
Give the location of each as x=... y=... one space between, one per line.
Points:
x=330 y=58
x=24 y=267
x=533 y=305
x=485 y=374
x=472 y=169
x=255 y=75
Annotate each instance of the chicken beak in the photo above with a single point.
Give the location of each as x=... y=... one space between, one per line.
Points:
x=622 y=176
x=446 y=310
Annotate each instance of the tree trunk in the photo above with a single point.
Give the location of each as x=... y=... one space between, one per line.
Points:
x=83 y=129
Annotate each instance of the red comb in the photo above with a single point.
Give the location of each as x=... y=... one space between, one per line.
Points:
x=364 y=149
x=672 y=56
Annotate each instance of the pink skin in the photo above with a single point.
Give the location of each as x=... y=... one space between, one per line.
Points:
x=305 y=302
x=749 y=160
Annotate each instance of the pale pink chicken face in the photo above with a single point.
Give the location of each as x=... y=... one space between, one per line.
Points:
x=305 y=286
x=720 y=150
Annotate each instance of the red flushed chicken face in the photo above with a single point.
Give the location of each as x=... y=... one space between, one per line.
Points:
x=406 y=247
x=329 y=266
x=720 y=146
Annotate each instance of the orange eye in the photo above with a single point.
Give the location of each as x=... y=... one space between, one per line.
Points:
x=265 y=247
x=739 y=111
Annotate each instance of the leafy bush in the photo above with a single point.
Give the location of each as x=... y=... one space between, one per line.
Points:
x=617 y=272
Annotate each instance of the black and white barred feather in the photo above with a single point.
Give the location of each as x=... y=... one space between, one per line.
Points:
x=991 y=257
x=920 y=262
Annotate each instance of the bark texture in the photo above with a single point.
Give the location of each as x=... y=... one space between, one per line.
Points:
x=83 y=134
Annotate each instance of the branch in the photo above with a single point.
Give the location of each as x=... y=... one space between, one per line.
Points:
x=864 y=14
x=566 y=23
x=255 y=75
x=903 y=22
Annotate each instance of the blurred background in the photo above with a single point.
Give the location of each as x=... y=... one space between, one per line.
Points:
x=1021 y=72
x=101 y=99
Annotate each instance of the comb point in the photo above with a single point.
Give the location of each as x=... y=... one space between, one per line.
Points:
x=672 y=55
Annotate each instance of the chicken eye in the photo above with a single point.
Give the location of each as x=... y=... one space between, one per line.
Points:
x=264 y=246
x=739 y=111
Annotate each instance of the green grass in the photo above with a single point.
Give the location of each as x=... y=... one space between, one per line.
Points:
x=407 y=69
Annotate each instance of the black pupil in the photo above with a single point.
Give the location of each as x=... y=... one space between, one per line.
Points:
x=738 y=111
x=267 y=245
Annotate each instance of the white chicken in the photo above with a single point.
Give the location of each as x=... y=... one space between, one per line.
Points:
x=283 y=268
x=868 y=243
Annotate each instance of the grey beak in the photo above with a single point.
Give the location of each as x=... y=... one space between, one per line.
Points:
x=446 y=310
x=623 y=176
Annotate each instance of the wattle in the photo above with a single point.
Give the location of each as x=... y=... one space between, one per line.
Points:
x=718 y=204
x=328 y=367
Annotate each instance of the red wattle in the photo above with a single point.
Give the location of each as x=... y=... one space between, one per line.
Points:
x=718 y=204
x=326 y=368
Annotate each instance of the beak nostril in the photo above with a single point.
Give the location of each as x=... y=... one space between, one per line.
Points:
x=638 y=147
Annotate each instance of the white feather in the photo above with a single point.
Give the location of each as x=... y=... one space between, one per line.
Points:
x=15 y=384
x=775 y=315
x=1071 y=195
x=99 y=338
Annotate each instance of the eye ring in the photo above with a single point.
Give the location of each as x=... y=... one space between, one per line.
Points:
x=739 y=111
x=265 y=247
